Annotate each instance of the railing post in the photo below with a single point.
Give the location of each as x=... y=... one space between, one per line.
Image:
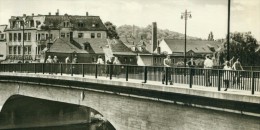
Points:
x=61 y=69
x=4 y=67
x=145 y=74
x=34 y=67
x=166 y=75
x=253 y=82
x=71 y=66
x=126 y=73
x=219 y=80
x=43 y=68
x=20 y=67
x=96 y=69
x=83 y=73
x=111 y=71
x=191 y=77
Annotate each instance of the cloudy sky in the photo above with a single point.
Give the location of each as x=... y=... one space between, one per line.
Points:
x=207 y=15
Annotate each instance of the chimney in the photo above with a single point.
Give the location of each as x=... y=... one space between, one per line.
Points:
x=32 y=14
x=154 y=36
x=86 y=13
x=57 y=13
x=158 y=48
x=24 y=15
x=71 y=36
x=49 y=13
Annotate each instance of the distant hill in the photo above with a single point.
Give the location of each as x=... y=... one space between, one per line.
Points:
x=146 y=32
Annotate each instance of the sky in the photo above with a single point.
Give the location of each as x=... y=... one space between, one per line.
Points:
x=207 y=15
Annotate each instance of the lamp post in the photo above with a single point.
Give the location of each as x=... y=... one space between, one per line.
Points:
x=23 y=40
x=185 y=16
x=228 y=31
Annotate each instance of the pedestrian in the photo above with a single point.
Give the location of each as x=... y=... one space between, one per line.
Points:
x=55 y=59
x=117 y=68
x=49 y=60
x=238 y=68
x=74 y=67
x=67 y=66
x=167 y=63
x=191 y=63
x=208 y=65
x=56 y=67
x=109 y=66
x=227 y=74
x=48 y=65
x=100 y=63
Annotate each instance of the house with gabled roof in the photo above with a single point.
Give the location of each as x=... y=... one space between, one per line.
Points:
x=194 y=48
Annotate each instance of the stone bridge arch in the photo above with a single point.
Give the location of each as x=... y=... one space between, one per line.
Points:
x=59 y=94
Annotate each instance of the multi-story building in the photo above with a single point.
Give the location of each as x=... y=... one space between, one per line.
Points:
x=2 y=42
x=38 y=32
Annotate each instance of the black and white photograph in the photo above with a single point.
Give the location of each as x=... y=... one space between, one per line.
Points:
x=129 y=64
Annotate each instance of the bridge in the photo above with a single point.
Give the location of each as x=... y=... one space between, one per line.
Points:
x=133 y=97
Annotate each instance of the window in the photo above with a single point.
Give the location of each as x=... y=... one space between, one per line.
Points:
x=64 y=24
x=29 y=49
x=10 y=50
x=19 y=50
x=29 y=36
x=25 y=36
x=98 y=35
x=160 y=60
x=10 y=36
x=15 y=48
x=32 y=23
x=15 y=36
x=62 y=35
x=51 y=36
x=2 y=36
x=155 y=60
x=80 y=35
x=68 y=34
x=92 y=35
x=173 y=60
x=39 y=36
x=25 y=50
x=42 y=36
x=19 y=37
x=47 y=36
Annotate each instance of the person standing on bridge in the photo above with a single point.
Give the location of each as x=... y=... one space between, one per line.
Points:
x=238 y=67
x=100 y=63
x=49 y=65
x=227 y=75
x=67 y=62
x=208 y=65
x=117 y=68
x=167 y=63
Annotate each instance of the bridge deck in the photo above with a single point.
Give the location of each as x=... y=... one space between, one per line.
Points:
x=119 y=80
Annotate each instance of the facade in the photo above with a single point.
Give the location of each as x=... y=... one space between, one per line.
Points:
x=2 y=42
x=38 y=33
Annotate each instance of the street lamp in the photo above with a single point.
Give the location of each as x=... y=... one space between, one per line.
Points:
x=185 y=16
x=228 y=31
x=22 y=23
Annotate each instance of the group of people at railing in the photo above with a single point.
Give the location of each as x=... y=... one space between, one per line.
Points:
x=231 y=71
x=112 y=66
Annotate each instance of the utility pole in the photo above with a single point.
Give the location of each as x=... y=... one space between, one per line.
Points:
x=185 y=16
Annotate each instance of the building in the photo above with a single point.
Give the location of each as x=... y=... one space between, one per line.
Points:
x=2 y=42
x=195 y=48
x=38 y=32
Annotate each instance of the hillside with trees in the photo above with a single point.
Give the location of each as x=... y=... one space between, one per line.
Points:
x=146 y=32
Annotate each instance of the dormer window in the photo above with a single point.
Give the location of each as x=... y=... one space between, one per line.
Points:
x=80 y=24
x=86 y=47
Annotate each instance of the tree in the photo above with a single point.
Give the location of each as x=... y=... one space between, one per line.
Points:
x=243 y=46
x=211 y=37
x=111 y=30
